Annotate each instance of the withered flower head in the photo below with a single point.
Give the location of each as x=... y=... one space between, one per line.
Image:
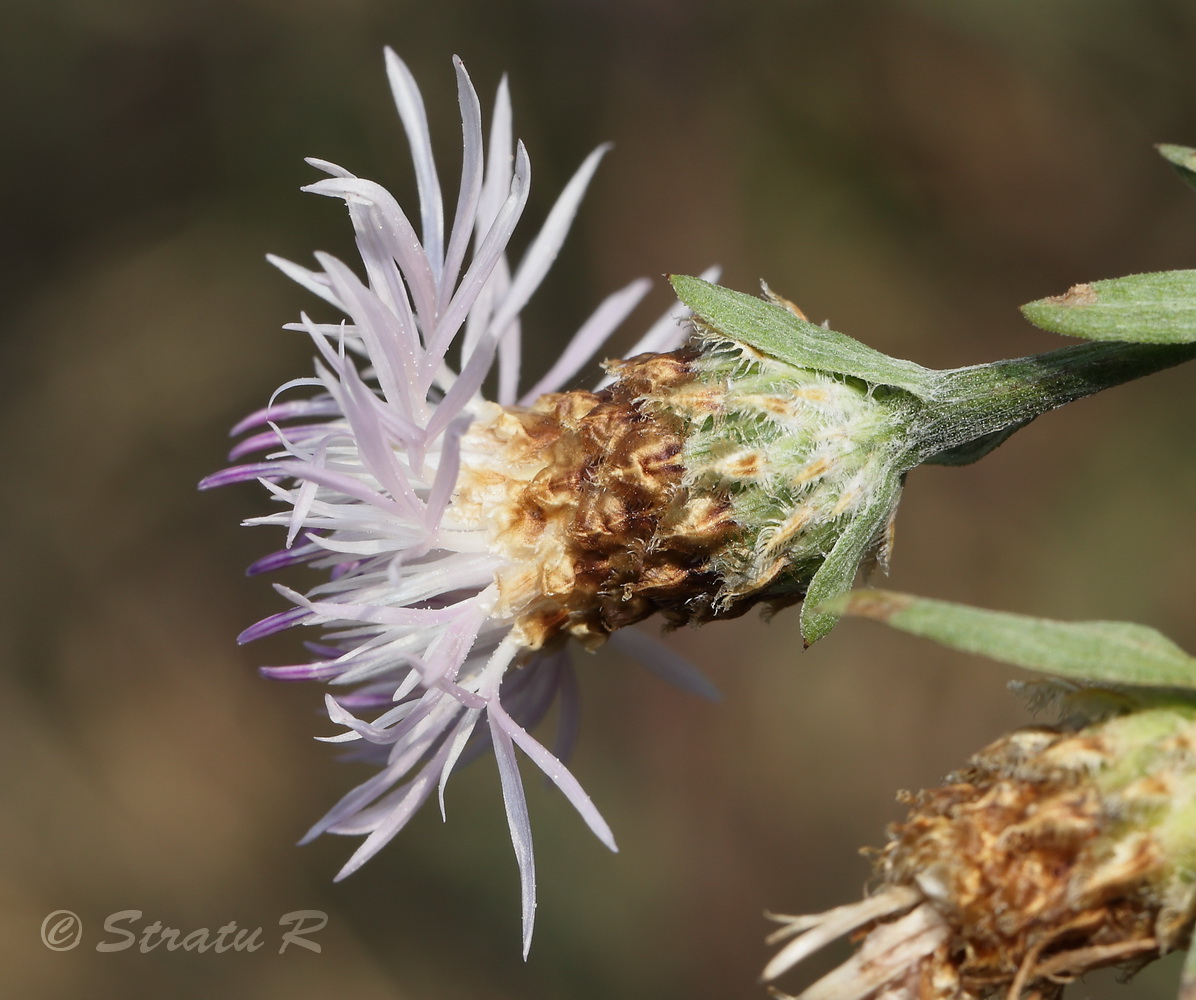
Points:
x=1056 y=850
x=1051 y=854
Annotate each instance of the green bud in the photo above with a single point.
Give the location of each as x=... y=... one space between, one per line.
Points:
x=808 y=434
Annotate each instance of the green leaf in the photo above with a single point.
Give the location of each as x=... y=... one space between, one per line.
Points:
x=974 y=409
x=1183 y=158
x=976 y=448
x=772 y=329
x=1107 y=652
x=837 y=572
x=1156 y=308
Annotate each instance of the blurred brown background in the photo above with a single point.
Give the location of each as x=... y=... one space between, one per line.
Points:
x=911 y=170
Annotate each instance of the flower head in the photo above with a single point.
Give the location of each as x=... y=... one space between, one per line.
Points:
x=1056 y=850
x=1053 y=853
x=396 y=476
x=465 y=540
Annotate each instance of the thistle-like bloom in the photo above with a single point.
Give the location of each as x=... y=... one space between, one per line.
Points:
x=1053 y=853
x=465 y=541
x=399 y=480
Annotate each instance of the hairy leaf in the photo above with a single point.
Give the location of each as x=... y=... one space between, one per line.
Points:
x=1108 y=652
x=1155 y=308
x=773 y=329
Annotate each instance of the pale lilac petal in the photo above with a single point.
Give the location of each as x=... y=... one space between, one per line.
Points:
x=517 y=821
x=477 y=323
x=384 y=729
x=327 y=166
x=351 y=804
x=314 y=281
x=301 y=672
x=568 y=723
x=669 y=332
x=446 y=474
x=548 y=241
x=500 y=159
x=659 y=659
x=377 y=453
x=468 y=383
x=408 y=617
x=384 y=276
x=387 y=818
x=410 y=105
x=471 y=184
x=556 y=771
x=287 y=411
x=304 y=498
x=488 y=254
x=456 y=744
x=589 y=339
x=510 y=358
x=401 y=241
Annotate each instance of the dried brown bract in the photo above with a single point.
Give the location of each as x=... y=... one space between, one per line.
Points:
x=1050 y=855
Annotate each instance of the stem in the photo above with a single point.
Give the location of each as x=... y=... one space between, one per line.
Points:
x=974 y=409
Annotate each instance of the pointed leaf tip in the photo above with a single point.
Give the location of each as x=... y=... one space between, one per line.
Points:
x=1155 y=308
x=1105 y=652
x=775 y=330
x=1182 y=158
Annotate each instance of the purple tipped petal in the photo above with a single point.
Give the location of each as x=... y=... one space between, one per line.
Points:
x=302 y=672
x=257 y=442
x=278 y=412
x=283 y=558
x=242 y=474
x=365 y=699
x=274 y=623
